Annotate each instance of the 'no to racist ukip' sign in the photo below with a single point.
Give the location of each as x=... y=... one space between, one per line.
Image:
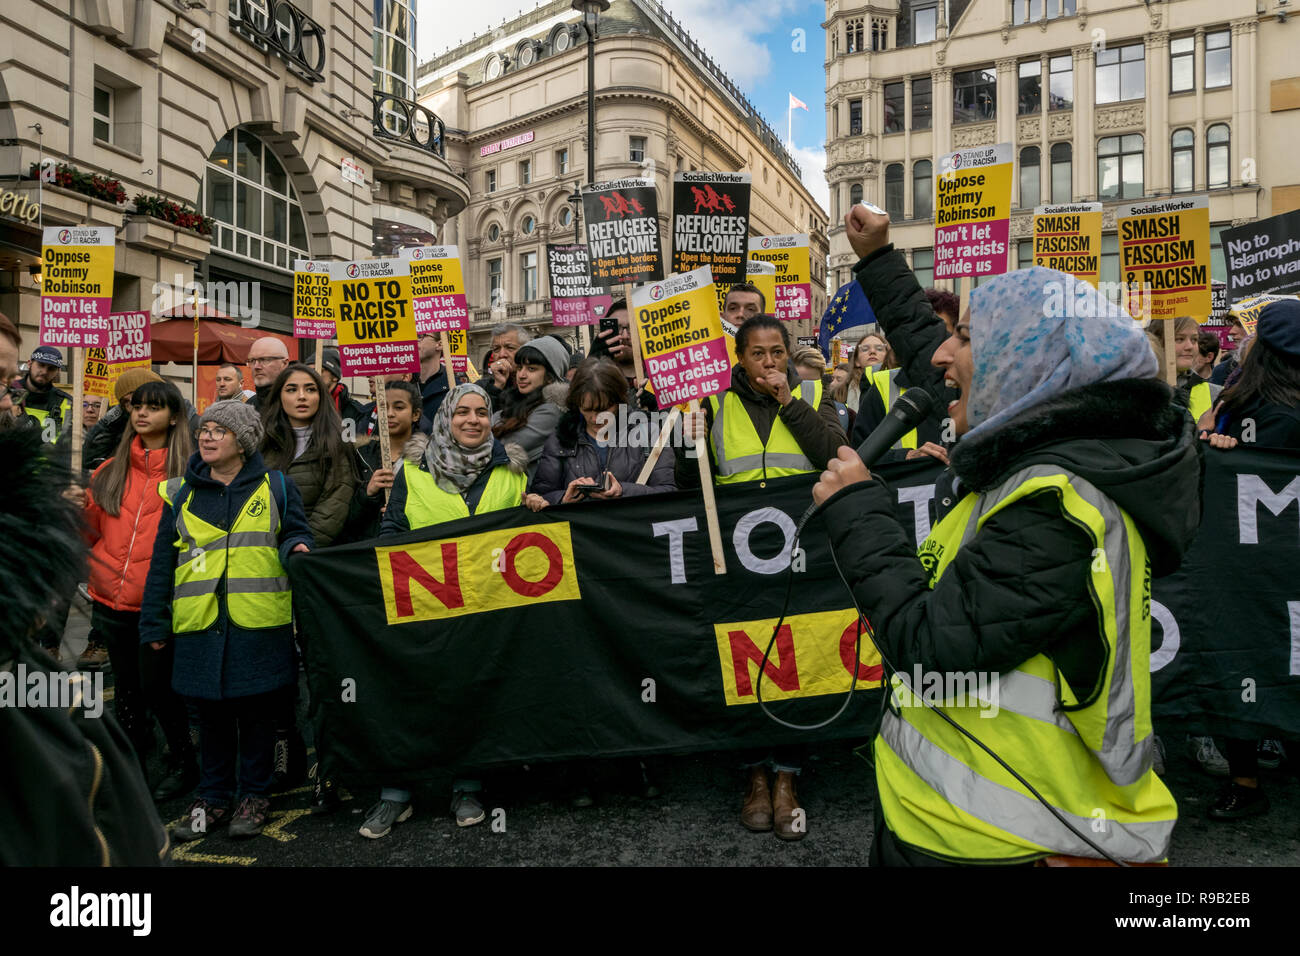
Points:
x=711 y=223
x=972 y=212
x=1164 y=256
x=376 y=325
x=681 y=337
x=437 y=289
x=793 y=262
x=77 y=285
x=313 y=309
x=574 y=301
x=1068 y=238
x=623 y=232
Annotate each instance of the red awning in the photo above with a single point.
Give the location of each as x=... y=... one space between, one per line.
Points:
x=219 y=341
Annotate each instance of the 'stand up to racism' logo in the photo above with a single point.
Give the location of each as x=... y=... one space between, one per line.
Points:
x=956 y=160
x=656 y=292
x=417 y=253
x=311 y=267
x=65 y=235
x=354 y=270
x=619 y=205
x=767 y=243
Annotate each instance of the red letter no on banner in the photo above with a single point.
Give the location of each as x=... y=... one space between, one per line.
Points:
x=554 y=571
x=406 y=569
x=848 y=640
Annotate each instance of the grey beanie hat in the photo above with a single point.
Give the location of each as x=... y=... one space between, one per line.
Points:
x=552 y=350
x=239 y=418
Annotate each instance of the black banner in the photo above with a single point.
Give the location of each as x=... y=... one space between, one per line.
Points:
x=573 y=299
x=1263 y=257
x=622 y=219
x=601 y=629
x=711 y=224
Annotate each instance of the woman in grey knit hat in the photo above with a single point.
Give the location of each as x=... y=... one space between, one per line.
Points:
x=217 y=581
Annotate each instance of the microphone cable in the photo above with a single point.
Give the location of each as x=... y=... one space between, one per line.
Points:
x=890 y=670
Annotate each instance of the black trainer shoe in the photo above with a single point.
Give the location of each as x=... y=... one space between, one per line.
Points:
x=181 y=776
x=1237 y=802
x=200 y=819
x=252 y=815
x=325 y=796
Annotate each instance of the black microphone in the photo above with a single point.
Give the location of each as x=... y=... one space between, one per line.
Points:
x=910 y=409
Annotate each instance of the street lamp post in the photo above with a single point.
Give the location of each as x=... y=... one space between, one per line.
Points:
x=591 y=11
x=575 y=200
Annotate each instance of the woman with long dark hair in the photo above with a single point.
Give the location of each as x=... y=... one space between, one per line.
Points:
x=122 y=509
x=304 y=439
x=532 y=403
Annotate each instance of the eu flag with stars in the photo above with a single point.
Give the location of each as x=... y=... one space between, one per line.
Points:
x=848 y=308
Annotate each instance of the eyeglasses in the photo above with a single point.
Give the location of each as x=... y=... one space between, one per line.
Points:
x=214 y=433
x=265 y=361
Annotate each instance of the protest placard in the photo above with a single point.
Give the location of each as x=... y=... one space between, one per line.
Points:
x=458 y=351
x=1068 y=238
x=761 y=275
x=972 y=212
x=1164 y=252
x=129 y=346
x=313 y=309
x=76 y=285
x=622 y=219
x=1247 y=310
x=574 y=300
x=681 y=337
x=792 y=259
x=1263 y=256
x=95 y=373
x=711 y=223
x=376 y=325
x=437 y=289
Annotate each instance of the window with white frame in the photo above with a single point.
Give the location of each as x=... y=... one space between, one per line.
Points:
x=257 y=211
x=496 y=292
x=561 y=162
x=528 y=276
x=636 y=149
x=1182 y=64
x=490 y=181
x=103 y=113
x=525 y=172
x=1216 y=156
x=925 y=22
x=1218 y=59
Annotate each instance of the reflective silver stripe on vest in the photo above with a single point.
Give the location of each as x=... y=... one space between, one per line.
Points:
x=196 y=588
x=1016 y=813
x=1123 y=759
x=732 y=466
x=256 y=585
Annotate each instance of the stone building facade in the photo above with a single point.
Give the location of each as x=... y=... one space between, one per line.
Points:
x=1103 y=100
x=515 y=104
x=266 y=115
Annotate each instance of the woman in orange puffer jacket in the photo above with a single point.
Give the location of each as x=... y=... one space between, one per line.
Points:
x=122 y=509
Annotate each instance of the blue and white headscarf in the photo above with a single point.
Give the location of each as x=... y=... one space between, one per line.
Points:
x=1036 y=333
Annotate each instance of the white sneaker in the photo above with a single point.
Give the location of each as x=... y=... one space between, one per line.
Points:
x=1207 y=755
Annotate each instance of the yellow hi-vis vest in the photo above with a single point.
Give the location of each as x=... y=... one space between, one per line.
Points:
x=736 y=446
x=246 y=558
x=427 y=504
x=1198 y=400
x=61 y=413
x=883 y=382
x=1088 y=751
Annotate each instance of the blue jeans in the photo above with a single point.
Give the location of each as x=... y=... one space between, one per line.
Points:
x=238 y=729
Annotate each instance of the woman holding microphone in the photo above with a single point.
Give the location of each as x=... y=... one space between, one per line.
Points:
x=1073 y=483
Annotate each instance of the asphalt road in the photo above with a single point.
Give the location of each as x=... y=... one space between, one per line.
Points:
x=694 y=823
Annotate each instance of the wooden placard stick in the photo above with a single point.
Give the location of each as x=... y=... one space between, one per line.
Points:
x=319 y=360
x=665 y=433
x=1171 y=357
x=381 y=423
x=446 y=358
x=963 y=295
x=584 y=337
x=634 y=333
x=710 y=502
x=78 y=394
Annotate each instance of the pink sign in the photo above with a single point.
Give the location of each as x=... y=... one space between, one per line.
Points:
x=504 y=144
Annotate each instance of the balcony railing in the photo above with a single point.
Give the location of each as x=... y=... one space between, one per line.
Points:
x=279 y=27
x=408 y=123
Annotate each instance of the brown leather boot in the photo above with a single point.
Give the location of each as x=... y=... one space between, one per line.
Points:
x=756 y=814
x=789 y=824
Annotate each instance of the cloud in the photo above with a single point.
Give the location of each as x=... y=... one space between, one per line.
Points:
x=812 y=162
x=713 y=23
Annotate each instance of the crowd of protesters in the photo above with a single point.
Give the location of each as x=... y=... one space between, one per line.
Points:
x=294 y=464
